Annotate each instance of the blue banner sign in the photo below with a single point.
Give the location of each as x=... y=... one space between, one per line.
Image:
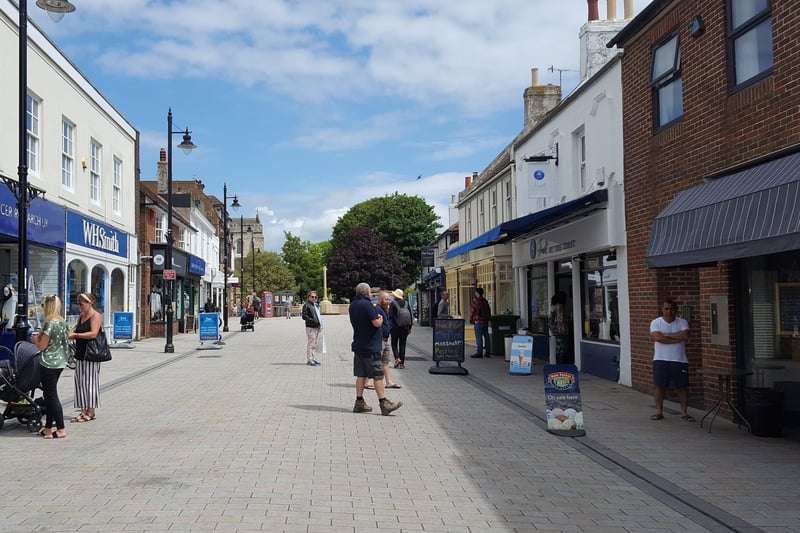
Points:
x=90 y=233
x=46 y=220
x=123 y=326
x=197 y=266
x=209 y=327
x=562 y=394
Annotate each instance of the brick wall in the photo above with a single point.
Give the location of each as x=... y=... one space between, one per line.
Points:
x=718 y=130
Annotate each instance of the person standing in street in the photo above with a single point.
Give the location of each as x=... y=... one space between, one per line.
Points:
x=386 y=331
x=557 y=322
x=53 y=342
x=402 y=319
x=670 y=364
x=287 y=305
x=479 y=317
x=367 y=344
x=443 y=310
x=313 y=321
x=87 y=373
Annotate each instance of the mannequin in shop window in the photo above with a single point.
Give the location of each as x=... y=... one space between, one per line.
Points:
x=156 y=309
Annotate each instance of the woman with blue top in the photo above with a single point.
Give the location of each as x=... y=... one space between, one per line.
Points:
x=53 y=341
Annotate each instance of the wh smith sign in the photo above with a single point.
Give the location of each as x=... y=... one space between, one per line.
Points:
x=92 y=234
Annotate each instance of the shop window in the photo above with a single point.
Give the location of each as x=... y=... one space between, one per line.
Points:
x=117 y=301
x=77 y=282
x=98 y=285
x=600 y=307
x=538 y=303
x=749 y=41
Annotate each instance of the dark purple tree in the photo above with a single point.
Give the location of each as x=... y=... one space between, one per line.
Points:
x=364 y=256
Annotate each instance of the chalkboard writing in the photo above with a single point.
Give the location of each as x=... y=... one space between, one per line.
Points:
x=448 y=339
x=789 y=308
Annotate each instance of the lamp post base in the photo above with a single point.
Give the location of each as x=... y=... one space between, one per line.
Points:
x=169 y=348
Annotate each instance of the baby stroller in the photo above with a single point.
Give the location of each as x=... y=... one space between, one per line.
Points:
x=18 y=383
x=248 y=319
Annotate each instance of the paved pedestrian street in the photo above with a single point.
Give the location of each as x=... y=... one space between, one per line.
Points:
x=250 y=438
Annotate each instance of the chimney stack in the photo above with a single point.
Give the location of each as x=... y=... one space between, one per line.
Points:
x=161 y=172
x=539 y=100
x=467 y=182
x=611 y=9
x=593 y=14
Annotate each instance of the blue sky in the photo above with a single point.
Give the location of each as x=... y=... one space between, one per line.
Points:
x=307 y=107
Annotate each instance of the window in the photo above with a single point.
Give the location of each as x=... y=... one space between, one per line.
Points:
x=749 y=41
x=159 y=225
x=494 y=207
x=582 y=159
x=507 y=215
x=94 y=172
x=116 y=194
x=468 y=235
x=481 y=217
x=33 y=132
x=600 y=304
x=67 y=154
x=183 y=235
x=667 y=83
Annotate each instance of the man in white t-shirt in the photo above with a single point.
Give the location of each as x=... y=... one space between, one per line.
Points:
x=670 y=365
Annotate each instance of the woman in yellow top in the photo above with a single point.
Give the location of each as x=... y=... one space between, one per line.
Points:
x=54 y=344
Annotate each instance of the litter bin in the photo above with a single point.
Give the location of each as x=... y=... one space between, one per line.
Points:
x=763 y=409
x=502 y=326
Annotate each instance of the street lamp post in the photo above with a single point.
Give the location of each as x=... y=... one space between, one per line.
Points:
x=23 y=192
x=235 y=206
x=241 y=260
x=187 y=146
x=253 y=251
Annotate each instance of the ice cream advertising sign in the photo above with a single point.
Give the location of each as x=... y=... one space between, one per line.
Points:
x=562 y=395
x=521 y=357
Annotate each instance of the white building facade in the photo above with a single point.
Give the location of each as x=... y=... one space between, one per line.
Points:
x=84 y=154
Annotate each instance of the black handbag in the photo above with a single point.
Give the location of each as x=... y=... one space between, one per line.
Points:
x=97 y=349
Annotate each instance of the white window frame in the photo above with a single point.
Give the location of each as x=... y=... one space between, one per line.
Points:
x=468 y=235
x=158 y=224
x=33 y=110
x=116 y=188
x=582 y=159
x=508 y=215
x=481 y=217
x=67 y=155
x=95 y=164
x=493 y=206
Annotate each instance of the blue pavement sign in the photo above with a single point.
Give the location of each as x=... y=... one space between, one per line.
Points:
x=521 y=356
x=562 y=394
x=123 y=326
x=209 y=327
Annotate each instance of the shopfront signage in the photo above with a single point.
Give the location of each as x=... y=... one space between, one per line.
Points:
x=90 y=233
x=542 y=247
x=197 y=266
x=169 y=274
x=123 y=326
x=46 y=224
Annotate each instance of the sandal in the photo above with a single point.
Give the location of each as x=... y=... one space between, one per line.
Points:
x=657 y=416
x=688 y=418
x=394 y=386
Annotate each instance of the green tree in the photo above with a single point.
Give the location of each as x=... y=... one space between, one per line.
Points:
x=305 y=260
x=406 y=222
x=364 y=256
x=272 y=273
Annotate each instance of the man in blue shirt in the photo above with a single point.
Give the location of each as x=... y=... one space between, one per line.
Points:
x=367 y=346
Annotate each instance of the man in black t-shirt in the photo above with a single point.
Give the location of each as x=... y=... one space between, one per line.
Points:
x=367 y=346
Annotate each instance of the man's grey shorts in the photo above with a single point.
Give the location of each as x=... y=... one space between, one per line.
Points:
x=386 y=353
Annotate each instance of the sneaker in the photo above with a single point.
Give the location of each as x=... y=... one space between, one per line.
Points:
x=388 y=406
x=476 y=356
x=315 y=362
x=361 y=407
x=309 y=363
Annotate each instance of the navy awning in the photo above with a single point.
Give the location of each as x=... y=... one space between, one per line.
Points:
x=752 y=212
x=430 y=275
x=529 y=223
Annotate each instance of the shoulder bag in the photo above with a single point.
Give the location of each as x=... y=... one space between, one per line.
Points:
x=97 y=349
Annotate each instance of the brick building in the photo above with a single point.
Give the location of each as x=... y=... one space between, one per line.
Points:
x=711 y=119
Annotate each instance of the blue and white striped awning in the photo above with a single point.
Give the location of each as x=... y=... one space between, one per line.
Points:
x=752 y=212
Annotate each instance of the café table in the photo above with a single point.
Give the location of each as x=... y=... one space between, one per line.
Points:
x=724 y=377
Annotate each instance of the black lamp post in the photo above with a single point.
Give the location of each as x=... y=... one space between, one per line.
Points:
x=187 y=146
x=241 y=260
x=253 y=251
x=23 y=192
x=235 y=206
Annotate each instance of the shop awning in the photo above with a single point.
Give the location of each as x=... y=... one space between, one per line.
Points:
x=752 y=212
x=529 y=223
